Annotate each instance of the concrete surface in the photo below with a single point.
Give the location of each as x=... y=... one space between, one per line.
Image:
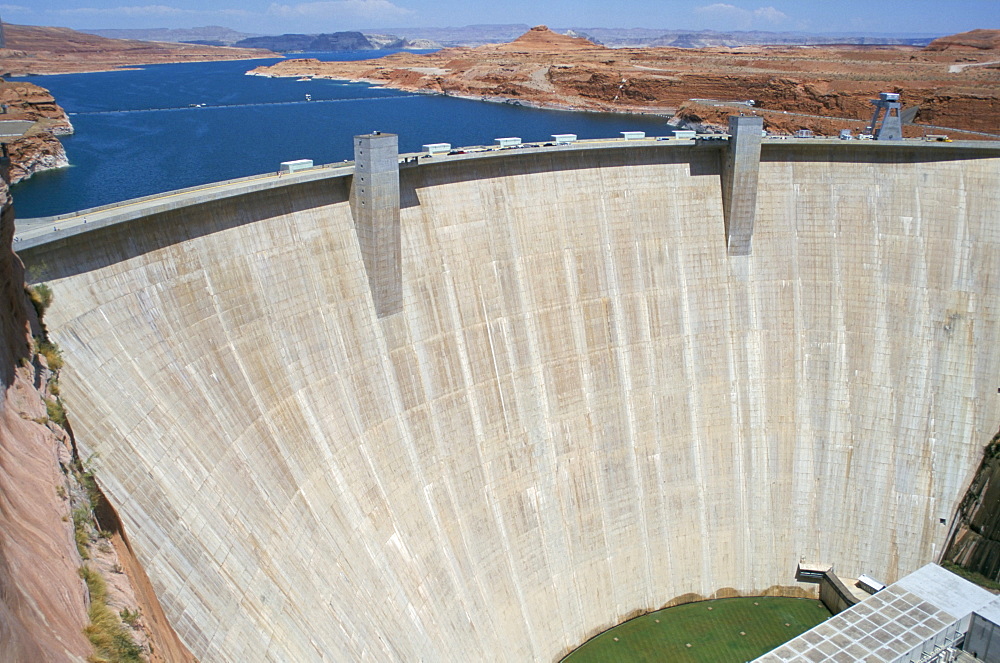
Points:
x=375 y=208
x=740 y=168
x=584 y=408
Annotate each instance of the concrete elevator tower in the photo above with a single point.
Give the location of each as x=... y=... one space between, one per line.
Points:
x=375 y=207
x=740 y=168
x=3 y=38
x=887 y=108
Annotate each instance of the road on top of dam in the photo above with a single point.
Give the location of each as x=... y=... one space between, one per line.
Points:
x=35 y=231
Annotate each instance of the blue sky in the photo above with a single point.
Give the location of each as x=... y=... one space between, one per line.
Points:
x=275 y=16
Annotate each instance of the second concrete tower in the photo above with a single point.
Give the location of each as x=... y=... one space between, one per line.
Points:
x=375 y=207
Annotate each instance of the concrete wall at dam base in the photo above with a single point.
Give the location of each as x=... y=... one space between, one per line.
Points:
x=583 y=408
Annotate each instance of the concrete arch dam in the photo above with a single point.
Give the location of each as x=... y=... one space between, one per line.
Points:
x=584 y=407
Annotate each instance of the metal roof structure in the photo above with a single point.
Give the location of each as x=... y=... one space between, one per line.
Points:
x=910 y=620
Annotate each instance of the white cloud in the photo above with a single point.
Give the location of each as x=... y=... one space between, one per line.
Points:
x=333 y=9
x=770 y=15
x=144 y=10
x=744 y=18
x=148 y=11
x=16 y=9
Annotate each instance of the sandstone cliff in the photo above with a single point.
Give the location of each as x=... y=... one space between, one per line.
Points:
x=42 y=602
x=40 y=149
x=973 y=40
x=36 y=153
x=975 y=539
x=30 y=101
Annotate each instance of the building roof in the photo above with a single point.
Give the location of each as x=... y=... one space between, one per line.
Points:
x=889 y=624
x=991 y=610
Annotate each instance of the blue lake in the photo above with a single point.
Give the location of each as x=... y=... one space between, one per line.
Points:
x=249 y=124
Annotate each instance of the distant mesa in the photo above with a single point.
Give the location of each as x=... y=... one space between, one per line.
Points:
x=973 y=40
x=334 y=41
x=540 y=38
x=686 y=41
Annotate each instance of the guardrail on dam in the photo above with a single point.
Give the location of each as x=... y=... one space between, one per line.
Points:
x=584 y=406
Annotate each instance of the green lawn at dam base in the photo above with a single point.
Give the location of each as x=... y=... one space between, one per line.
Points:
x=720 y=631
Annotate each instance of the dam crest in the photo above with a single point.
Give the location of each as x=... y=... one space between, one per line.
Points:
x=584 y=401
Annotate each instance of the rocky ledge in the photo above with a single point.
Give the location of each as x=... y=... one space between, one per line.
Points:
x=40 y=148
x=973 y=40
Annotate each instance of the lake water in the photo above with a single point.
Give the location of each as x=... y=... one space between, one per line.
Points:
x=249 y=124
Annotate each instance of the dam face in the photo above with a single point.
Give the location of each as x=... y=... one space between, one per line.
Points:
x=584 y=408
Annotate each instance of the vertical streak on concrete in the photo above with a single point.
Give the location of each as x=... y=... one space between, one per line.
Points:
x=375 y=208
x=740 y=166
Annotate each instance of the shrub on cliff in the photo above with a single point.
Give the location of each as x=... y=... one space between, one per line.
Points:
x=111 y=640
x=41 y=298
x=56 y=412
x=51 y=352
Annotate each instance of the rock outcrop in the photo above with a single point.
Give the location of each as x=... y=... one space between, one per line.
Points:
x=40 y=148
x=540 y=38
x=34 y=154
x=975 y=538
x=380 y=41
x=29 y=101
x=973 y=40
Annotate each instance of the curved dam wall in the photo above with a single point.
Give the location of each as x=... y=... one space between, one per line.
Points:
x=584 y=408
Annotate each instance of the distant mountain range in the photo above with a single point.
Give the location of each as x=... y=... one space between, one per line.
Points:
x=211 y=35
x=477 y=35
x=334 y=41
x=469 y=35
x=215 y=35
x=644 y=37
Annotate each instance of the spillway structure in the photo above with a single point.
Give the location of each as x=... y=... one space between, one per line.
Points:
x=584 y=394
